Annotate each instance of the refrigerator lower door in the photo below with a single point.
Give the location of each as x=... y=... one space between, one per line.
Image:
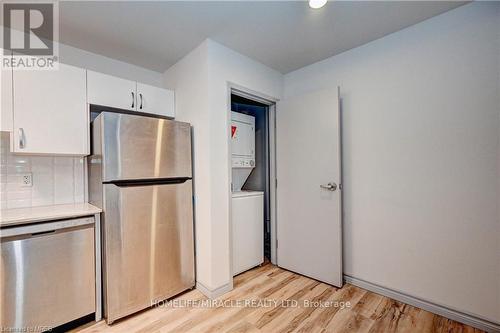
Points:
x=148 y=242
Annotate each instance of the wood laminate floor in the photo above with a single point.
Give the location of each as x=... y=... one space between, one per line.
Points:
x=270 y=299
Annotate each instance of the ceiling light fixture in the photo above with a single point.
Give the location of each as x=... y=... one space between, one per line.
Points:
x=316 y=4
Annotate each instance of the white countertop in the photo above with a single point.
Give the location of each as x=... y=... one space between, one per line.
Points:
x=15 y=216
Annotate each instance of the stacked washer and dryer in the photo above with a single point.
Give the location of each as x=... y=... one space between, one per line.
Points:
x=247 y=206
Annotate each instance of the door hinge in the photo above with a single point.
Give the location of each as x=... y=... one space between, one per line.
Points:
x=276 y=182
x=276 y=243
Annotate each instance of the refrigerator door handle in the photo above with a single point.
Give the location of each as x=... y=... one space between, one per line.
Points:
x=148 y=182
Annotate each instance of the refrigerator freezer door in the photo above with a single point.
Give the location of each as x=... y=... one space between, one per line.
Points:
x=138 y=147
x=149 y=251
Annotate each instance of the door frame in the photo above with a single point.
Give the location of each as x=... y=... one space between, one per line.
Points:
x=233 y=88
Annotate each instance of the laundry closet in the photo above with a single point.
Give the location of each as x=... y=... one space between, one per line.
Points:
x=250 y=183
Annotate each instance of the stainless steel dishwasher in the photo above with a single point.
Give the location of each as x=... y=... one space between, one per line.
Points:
x=47 y=273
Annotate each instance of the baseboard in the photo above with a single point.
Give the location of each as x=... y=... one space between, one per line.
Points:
x=464 y=318
x=215 y=292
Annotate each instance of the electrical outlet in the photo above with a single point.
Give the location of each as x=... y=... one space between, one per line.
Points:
x=27 y=180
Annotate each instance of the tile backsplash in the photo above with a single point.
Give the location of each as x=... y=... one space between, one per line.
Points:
x=55 y=180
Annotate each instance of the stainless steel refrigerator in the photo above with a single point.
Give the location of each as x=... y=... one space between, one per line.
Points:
x=140 y=175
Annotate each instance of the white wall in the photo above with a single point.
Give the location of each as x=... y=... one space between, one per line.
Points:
x=80 y=58
x=189 y=78
x=201 y=83
x=84 y=59
x=421 y=112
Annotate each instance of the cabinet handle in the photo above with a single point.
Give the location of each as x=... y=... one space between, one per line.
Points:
x=140 y=95
x=133 y=100
x=22 y=139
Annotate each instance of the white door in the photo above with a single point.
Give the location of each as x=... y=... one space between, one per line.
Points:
x=50 y=112
x=308 y=196
x=107 y=90
x=155 y=100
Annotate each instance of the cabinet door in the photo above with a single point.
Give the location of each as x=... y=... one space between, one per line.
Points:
x=107 y=90
x=50 y=112
x=155 y=100
x=6 y=100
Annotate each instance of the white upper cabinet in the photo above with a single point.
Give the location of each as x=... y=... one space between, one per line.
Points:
x=111 y=91
x=50 y=113
x=107 y=90
x=6 y=100
x=47 y=112
x=155 y=100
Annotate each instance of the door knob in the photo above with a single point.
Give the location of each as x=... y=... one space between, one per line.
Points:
x=329 y=186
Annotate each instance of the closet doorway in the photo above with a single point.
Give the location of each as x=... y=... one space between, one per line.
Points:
x=252 y=203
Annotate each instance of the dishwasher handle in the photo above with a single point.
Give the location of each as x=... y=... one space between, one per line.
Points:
x=45 y=228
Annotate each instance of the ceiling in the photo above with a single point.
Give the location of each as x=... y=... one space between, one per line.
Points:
x=284 y=35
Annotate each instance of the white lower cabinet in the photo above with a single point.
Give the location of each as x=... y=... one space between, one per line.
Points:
x=155 y=100
x=50 y=113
